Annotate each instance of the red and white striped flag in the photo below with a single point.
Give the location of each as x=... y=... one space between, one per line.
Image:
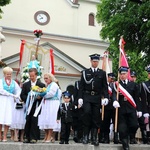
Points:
x=123 y=59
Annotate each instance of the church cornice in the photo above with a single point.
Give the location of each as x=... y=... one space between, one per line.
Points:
x=57 y=37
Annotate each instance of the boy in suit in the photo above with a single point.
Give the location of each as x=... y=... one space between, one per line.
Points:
x=65 y=115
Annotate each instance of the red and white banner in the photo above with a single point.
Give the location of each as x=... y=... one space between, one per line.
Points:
x=109 y=90
x=127 y=95
x=123 y=59
x=51 y=62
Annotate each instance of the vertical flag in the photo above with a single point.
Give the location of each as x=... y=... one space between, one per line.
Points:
x=21 y=55
x=51 y=62
x=123 y=59
x=105 y=63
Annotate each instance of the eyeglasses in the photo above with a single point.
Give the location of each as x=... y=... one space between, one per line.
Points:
x=45 y=78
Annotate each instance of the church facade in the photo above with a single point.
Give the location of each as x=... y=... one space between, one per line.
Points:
x=69 y=28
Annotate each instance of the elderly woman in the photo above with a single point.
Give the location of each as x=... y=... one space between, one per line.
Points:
x=9 y=91
x=50 y=105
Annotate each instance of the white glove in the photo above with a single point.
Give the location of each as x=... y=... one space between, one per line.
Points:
x=80 y=101
x=116 y=104
x=146 y=115
x=139 y=114
x=104 y=101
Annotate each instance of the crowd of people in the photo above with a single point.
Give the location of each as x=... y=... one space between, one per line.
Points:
x=97 y=102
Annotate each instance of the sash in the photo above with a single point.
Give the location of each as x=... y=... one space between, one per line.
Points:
x=38 y=108
x=109 y=90
x=29 y=102
x=127 y=95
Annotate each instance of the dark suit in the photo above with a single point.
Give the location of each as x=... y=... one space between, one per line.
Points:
x=92 y=86
x=31 y=129
x=145 y=99
x=77 y=124
x=127 y=119
x=109 y=115
x=66 y=121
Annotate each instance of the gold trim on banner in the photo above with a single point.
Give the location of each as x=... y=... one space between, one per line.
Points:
x=33 y=47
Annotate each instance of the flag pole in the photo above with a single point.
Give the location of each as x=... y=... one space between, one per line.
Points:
x=121 y=46
x=106 y=68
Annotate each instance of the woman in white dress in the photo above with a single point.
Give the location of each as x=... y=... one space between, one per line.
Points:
x=9 y=91
x=50 y=104
x=18 y=122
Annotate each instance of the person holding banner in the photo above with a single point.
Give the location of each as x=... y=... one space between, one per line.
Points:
x=9 y=93
x=108 y=113
x=93 y=84
x=32 y=132
x=128 y=104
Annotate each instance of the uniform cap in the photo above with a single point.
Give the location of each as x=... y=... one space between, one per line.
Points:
x=133 y=74
x=66 y=94
x=148 y=69
x=111 y=75
x=123 y=69
x=95 y=57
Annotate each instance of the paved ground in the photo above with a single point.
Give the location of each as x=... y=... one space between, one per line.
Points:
x=10 y=145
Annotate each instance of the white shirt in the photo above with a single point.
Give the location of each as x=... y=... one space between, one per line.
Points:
x=93 y=69
x=33 y=83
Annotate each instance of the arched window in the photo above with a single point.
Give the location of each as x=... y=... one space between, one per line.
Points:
x=91 y=19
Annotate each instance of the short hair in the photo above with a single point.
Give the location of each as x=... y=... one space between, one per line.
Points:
x=7 y=69
x=33 y=70
x=51 y=76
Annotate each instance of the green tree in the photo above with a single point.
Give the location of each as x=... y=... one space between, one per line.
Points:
x=3 y=3
x=124 y=17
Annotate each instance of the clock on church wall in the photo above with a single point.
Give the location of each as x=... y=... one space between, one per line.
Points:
x=41 y=17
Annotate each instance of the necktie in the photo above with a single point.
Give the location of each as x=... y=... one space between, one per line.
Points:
x=124 y=82
x=66 y=105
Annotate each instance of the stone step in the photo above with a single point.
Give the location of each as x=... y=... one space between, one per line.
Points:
x=72 y=146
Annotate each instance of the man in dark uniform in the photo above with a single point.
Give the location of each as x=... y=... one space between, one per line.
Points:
x=140 y=118
x=129 y=106
x=108 y=112
x=93 y=84
x=145 y=98
x=32 y=132
x=77 y=114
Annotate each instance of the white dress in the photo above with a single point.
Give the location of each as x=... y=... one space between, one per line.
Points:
x=18 y=119
x=50 y=104
x=7 y=101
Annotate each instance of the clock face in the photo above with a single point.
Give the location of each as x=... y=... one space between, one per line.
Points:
x=41 y=17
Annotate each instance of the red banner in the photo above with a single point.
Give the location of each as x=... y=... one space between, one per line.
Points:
x=51 y=62
x=21 y=54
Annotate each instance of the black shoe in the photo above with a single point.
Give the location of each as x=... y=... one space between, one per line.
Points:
x=125 y=144
x=75 y=139
x=33 y=141
x=85 y=140
x=26 y=141
x=133 y=141
x=66 y=142
x=61 y=142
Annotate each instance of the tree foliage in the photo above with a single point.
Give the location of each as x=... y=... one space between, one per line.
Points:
x=125 y=17
x=3 y=3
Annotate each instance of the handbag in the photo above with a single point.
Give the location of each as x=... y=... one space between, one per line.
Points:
x=19 y=105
